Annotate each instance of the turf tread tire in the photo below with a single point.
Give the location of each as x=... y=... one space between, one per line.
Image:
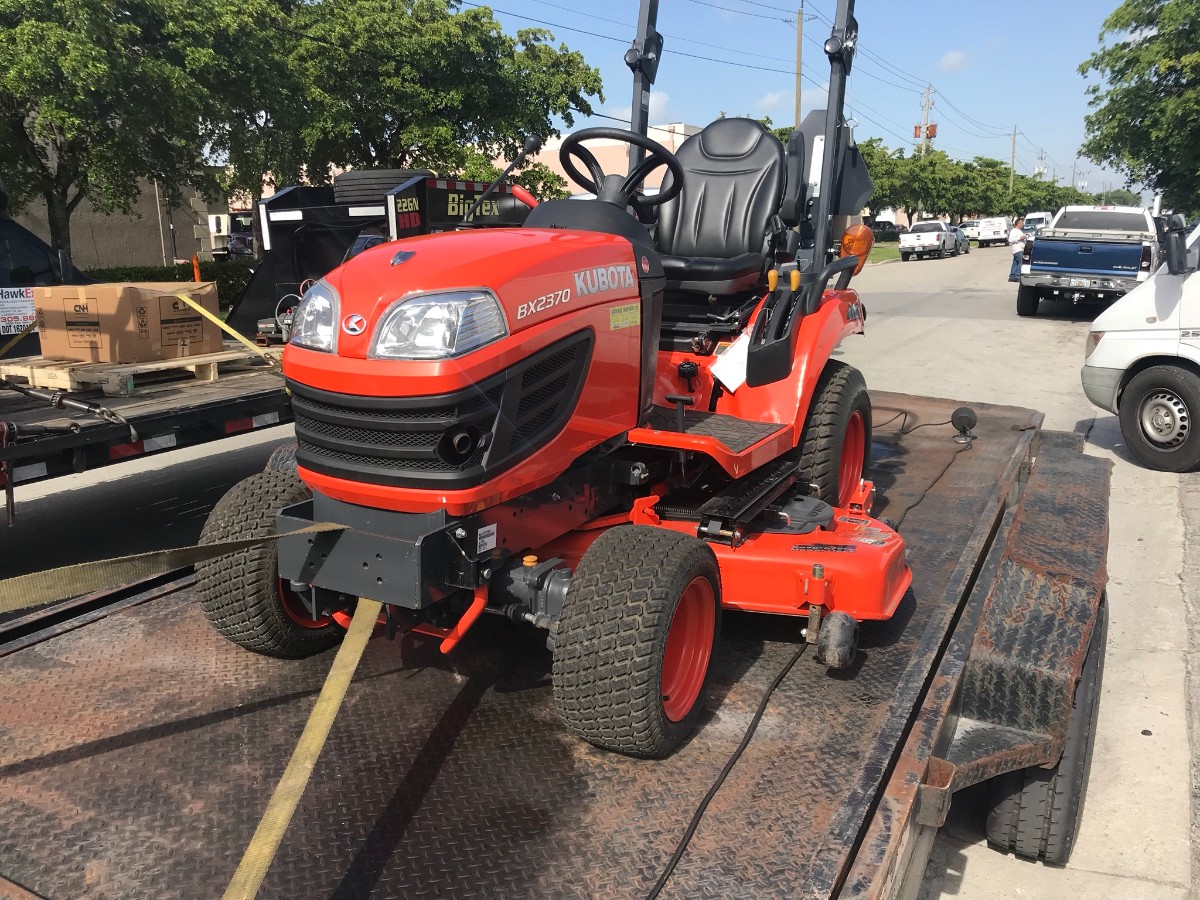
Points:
x=612 y=634
x=840 y=391
x=1034 y=812
x=239 y=592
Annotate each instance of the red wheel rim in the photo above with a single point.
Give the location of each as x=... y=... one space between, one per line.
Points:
x=294 y=608
x=854 y=447
x=689 y=647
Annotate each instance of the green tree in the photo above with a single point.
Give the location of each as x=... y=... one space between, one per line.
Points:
x=1146 y=109
x=95 y=97
x=415 y=83
x=1121 y=197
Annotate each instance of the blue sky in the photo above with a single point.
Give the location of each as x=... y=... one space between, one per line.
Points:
x=992 y=65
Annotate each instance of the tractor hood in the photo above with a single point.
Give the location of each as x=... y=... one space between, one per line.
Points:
x=535 y=274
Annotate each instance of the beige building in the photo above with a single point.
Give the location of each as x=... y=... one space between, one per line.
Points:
x=613 y=156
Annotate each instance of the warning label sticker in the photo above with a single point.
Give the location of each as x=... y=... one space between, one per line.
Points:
x=625 y=316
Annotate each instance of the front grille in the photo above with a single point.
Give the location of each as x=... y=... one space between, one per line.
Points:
x=406 y=441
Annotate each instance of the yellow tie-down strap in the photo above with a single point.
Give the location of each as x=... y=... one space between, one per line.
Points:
x=39 y=588
x=271 y=358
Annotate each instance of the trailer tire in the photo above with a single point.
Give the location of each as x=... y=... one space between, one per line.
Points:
x=1027 y=300
x=282 y=459
x=1156 y=410
x=1034 y=812
x=241 y=594
x=642 y=616
x=837 y=434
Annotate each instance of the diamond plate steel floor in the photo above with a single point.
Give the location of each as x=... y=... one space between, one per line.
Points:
x=137 y=753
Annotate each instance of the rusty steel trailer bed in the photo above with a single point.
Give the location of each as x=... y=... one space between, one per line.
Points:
x=137 y=752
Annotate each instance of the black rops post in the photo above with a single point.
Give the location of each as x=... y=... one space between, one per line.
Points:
x=642 y=59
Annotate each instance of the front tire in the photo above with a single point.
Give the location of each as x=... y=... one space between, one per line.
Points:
x=1156 y=411
x=639 y=627
x=904 y=257
x=241 y=594
x=836 y=441
x=1027 y=301
x=1035 y=812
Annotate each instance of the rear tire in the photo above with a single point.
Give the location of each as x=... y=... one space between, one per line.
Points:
x=241 y=594
x=1156 y=411
x=633 y=652
x=1027 y=301
x=367 y=186
x=840 y=398
x=1034 y=812
x=904 y=257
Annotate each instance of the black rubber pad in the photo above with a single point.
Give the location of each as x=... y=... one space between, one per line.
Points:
x=737 y=434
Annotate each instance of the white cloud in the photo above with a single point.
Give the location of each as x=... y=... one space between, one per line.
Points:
x=953 y=61
x=772 y=100
x=659 y=108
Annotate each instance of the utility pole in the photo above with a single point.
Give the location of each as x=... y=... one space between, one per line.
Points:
x=928 y=102
x=799 y=55
x=1012 y=166
x=1041 y=168
x=1073 y=163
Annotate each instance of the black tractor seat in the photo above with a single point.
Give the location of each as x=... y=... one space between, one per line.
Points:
x=718 y=236
x=713 y=274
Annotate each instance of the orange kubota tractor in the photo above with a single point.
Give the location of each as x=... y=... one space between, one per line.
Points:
x=611 y=423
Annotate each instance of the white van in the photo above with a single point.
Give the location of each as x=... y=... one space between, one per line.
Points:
x=993 y=231
x=1142 y=359
x=1036 y=220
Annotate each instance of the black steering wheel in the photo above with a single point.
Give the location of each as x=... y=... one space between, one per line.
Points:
x=612 y=188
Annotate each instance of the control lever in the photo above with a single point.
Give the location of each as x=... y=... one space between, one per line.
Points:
x=680 y=424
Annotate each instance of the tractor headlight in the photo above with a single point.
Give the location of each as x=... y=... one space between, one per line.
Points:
x=314 y=323
x=439 y=326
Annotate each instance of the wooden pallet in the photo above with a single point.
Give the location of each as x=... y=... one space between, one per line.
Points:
x=123 y=379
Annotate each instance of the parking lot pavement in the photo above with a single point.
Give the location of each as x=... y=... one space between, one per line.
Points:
x=950 y=328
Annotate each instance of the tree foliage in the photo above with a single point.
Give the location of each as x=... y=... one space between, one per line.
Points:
x=1146 y=109
x=98 y=95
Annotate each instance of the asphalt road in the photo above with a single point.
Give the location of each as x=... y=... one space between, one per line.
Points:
x=944 y=328
x=949 y=328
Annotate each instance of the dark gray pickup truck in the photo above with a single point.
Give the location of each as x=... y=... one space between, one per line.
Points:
x=1088 y=253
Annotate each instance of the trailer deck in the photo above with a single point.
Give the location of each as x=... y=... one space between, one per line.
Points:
x=139 y=750
x=177 y=412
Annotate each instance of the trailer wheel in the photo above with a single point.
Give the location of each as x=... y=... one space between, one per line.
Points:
x=638 y=629
x=1034 y=812
x=241 y=594
x=1027 y=300
x=1156 y=410
x=836 y=441
x=282 y=459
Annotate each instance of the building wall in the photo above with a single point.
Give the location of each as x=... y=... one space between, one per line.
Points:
x=613 y=156
x=100 y=241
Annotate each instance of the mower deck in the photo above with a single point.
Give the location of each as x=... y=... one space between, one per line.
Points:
x=144 y=773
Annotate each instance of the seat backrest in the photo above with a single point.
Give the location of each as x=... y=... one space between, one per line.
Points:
x=733 y=181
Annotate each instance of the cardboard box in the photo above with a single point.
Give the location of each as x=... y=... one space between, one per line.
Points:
x=126 y=323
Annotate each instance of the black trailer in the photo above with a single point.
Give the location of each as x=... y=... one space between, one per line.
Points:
x=144 y=773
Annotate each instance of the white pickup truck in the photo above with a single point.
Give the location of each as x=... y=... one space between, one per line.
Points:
x=930 y=238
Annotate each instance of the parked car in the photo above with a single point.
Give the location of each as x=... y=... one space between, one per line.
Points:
x=928 y=238
x=970 y=229
x=994 y=231
x=886 y=232
x=1143 y=354
x=963 y=244
x=1089 y=253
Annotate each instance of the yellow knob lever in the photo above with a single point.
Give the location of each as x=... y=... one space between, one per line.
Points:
x=772 y=280
x=795 y=274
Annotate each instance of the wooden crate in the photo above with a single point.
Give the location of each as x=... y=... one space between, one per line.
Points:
x=123 y=379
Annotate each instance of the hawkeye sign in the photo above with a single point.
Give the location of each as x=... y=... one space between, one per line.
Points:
x=16 y=309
